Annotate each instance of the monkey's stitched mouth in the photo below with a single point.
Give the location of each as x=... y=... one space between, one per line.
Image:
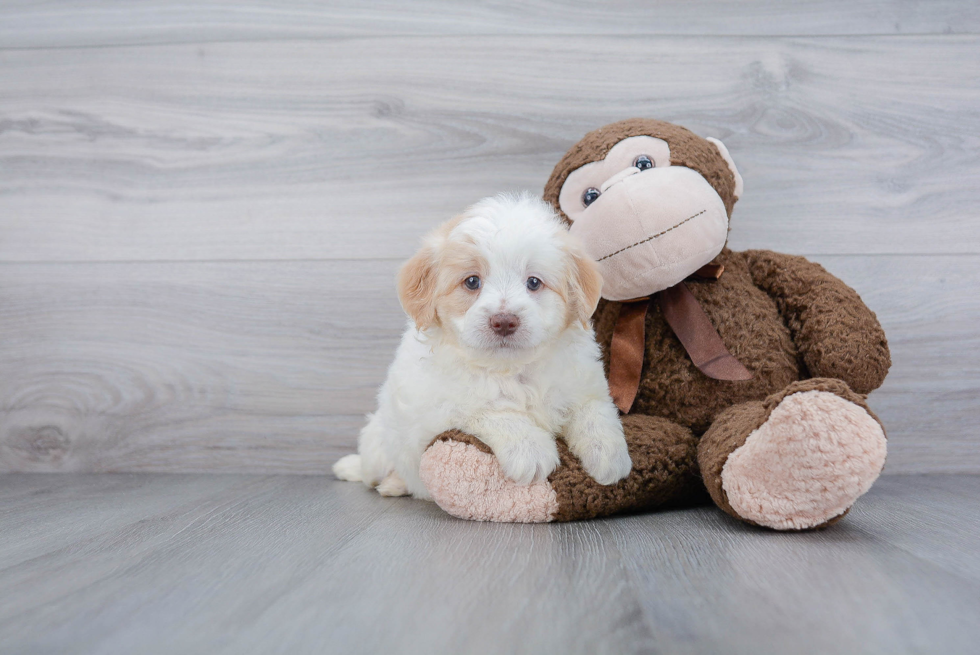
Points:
x=651 y=238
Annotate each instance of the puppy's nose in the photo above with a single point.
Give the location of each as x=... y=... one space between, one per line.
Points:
x=504 y=324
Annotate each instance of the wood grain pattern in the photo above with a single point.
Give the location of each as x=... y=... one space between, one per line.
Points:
x=837 y=591
x=191 y=366
x=241 y=564
x=270 y=366
x=202 y=207
x=103 y=22
x=352 y=148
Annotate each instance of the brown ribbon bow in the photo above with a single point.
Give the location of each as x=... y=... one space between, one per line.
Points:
x=693 y=328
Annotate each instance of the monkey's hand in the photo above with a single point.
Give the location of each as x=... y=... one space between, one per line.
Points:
x=836 y=333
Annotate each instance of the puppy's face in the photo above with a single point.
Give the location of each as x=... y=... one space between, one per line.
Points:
x=500 y=280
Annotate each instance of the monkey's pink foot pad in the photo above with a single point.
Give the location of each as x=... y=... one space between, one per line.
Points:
x=469 y=483
x=807 y=464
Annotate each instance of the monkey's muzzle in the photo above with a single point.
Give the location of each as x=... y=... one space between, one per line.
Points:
x=651 y=229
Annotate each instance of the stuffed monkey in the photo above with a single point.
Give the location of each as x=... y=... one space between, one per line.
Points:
x=739 y=374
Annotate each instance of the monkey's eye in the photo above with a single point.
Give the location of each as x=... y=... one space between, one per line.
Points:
x=533 y=284
x=472 y=283
x=590 y=196
x=643 y=162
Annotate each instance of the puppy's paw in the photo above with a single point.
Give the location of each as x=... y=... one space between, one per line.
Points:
x=607 y=460
x=528 y=459
x=596 y=437
x=392 y=485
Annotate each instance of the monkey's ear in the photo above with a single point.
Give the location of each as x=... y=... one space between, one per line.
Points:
x=731 y=165
x=416 y=287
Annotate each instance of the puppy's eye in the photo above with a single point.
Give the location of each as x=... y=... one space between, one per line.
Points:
x=643 y=162
x=590 y=196
x=472 y=283
x=533 y=283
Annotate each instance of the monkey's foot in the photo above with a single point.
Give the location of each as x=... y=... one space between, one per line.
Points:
x=466 y=480
x=814 y=453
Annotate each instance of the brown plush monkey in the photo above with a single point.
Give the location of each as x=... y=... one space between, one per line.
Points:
x=740 y=373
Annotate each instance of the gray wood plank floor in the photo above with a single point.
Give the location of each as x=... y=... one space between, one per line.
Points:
x=202 y=205
x=144 y=563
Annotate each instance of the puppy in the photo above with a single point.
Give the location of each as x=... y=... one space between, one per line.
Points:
x=499 y=345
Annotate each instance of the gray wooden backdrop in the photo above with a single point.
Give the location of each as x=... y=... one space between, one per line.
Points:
x=202 y=205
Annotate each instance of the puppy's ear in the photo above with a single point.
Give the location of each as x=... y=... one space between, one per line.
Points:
x=586 y=285
x=417 y=285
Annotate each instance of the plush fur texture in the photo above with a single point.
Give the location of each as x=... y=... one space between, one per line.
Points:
x=732 y=428
x=796 y=327
x=783 y=317
x=686 y=149
x=663 y=475
x=499 y=344
x=814 y=454
x=648 y=227
x=465 y=479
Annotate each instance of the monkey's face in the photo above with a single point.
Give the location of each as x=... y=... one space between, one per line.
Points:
x=649 y=224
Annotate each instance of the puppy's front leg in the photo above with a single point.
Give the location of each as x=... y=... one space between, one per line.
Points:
x=595 y=436
x=526 y=452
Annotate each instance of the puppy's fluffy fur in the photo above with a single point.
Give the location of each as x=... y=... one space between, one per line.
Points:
x=514 y=391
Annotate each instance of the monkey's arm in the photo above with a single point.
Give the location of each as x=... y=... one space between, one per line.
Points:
x=836 y=333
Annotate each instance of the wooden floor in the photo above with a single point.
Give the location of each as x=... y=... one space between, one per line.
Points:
x=152 y=563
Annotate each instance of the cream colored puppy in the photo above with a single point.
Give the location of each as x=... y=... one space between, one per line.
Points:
x=499 y=345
